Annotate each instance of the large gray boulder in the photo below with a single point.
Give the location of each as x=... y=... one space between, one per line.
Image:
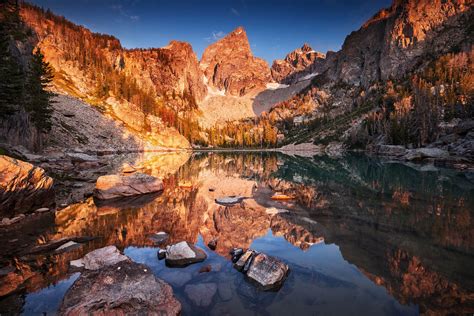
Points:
x=268 y=272
x=126 y=288
x=183 y=254
x=116 y=186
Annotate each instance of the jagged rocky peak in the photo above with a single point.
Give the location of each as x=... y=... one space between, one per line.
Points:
x=229 y=65
x=171 y=70
x=297 y=64
x=399 y=38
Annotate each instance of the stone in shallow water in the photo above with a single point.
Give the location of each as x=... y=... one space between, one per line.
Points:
x=161 y=254
x=183 y=254
x=201 y=294
x=126 y=288
x=229 y=200
x=236 y=253
x=99 y=258
x=116 y=186
x=268 y=272
x=239 y=265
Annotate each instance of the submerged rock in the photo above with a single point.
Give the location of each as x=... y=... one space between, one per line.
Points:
x=116 y=186
x=121 y=289
x=176 y=278
x=205 y=269
x=183 y=254
x=23 y=187
x=99 y=258
x=201 y=294
x=268 y=272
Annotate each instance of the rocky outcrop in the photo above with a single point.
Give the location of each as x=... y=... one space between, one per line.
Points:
x=299 y=63
x=230 y=66
x=397 y=39
x=172 y=70
x=23 y=187
x=121 y=289
x=116 y=186
x=171 y=74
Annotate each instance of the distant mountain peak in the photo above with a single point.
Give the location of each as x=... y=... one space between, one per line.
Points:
x=229 y=65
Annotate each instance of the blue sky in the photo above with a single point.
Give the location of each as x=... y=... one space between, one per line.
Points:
x=274 y=27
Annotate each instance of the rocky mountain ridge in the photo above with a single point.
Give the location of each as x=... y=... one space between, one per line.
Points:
x=301 y=62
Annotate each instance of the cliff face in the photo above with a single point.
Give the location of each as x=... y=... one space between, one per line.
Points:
x=229 y=65
x=300 y=62
x=396 y=39
x=172 y=70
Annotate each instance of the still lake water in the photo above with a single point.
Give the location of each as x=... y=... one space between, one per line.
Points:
x=362 y=236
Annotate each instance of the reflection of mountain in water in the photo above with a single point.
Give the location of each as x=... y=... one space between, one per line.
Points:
x=406 y=229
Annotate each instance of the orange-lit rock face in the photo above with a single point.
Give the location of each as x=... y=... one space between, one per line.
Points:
x=303 y=61
x=395 y=39
x=172 y=70
x=229 y=65
x=23 y=187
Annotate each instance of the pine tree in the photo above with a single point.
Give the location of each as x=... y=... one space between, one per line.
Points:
x=11 y=78
x=38 y=99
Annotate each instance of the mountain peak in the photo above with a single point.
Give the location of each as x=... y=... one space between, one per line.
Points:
x=239 y=31
x=306 y=48
x=229 y=65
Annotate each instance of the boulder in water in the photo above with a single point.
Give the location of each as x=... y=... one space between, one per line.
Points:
x=125 y=288
x=116 y=186
x=183 y=254
x=268 y=272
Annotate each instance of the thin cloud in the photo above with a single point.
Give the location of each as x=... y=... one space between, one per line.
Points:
x=235 y=12
x=215 y=36
x=119 y=8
